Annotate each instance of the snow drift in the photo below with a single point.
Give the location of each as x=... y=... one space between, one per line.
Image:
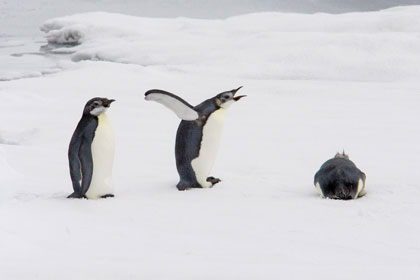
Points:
x=372 y=46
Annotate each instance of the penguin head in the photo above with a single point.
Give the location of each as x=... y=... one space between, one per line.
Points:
x=225 y=99
x=97 y=106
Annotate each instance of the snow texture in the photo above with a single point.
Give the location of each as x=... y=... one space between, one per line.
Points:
x=25 y=16
x=315 y=84
x=377 y=46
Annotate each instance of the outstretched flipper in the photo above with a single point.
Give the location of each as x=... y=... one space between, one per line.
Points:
x=179 y=106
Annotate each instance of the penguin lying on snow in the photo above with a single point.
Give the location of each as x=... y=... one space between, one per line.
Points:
x=198 y=135
x=339 y=178
x=91 y=152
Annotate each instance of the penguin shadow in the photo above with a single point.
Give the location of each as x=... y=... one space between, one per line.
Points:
x=63 y=196
x=58 y=196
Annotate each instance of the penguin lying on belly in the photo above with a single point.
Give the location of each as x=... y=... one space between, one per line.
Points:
x=91 y=152
x=198 y=135
x=339 y=178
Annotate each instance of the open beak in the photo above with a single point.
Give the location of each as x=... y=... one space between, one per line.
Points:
x=107 y=102
x=234 y=91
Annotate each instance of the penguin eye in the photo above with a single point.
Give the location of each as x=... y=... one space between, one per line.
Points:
x=226 y=97
x=96 y=104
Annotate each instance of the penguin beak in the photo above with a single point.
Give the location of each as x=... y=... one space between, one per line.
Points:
x=107 y=102
x=234 y=91
x=236 y=98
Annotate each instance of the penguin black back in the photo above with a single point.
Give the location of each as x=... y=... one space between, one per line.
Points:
x=339 y=178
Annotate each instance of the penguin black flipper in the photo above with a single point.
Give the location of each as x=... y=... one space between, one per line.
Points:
x=74 y=162
x=179 y=106
x=86 y=161
x=80 y=156
x=187 y=147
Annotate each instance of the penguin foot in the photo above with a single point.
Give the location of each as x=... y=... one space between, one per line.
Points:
x=185 y=185
x=182 y=187
x=76 y=195
x=213 y=180
x=107 y=195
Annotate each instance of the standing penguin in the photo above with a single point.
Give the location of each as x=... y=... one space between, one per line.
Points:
x=91 y=152
x=339 y=178
x=198 y=135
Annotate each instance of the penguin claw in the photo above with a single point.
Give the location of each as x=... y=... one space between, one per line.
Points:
x=182 y=188
x=213 y=180
x=76 y=195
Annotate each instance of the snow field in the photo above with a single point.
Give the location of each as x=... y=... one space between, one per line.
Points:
x=265 y=219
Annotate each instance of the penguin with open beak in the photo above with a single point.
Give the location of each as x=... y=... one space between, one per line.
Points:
x=198 y=136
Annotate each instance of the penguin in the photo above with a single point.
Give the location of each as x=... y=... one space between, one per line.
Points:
x=91 y=152
x=198 y=135
x=339 y=178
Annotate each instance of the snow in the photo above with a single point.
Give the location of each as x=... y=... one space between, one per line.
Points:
x=315 y=84
x=377 y=46
x=25 y=16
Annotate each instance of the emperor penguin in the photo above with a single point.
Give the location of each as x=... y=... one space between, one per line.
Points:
x=91 y=152
x=198 y=135
x=339 y=178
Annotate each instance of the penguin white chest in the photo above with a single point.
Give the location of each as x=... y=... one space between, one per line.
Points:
x=210 y=142
x=103 y=157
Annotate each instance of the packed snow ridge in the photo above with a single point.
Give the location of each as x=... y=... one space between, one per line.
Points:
x=369 y=46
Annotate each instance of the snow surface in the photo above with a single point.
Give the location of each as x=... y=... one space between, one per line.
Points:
x=316 y=84
x=25 y=16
